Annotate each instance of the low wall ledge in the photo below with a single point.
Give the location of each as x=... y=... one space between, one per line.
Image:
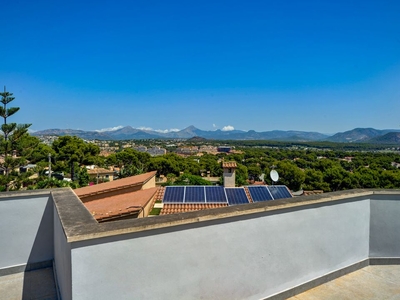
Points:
x=80 y=225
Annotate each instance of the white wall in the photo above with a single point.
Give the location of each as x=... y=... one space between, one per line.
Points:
x=385 y=227
x=247 y=257
x=26 y=230
x=62 y=259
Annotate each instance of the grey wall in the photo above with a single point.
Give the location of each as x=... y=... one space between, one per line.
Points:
x=26 y=235
x=247 y=257
x=62 y=259
x=385 y=227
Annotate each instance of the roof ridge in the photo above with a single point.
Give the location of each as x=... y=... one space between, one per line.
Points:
x=114 y=185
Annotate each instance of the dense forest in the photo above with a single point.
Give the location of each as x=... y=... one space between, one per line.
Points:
x=308 y=169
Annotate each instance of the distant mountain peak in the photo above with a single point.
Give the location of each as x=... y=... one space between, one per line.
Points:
x=358 y=135
x=191 y=127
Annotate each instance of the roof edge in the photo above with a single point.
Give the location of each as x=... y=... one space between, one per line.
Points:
x=82 y=232
x=151 y=175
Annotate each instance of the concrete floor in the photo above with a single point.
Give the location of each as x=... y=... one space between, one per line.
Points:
x=35 y=285
x=372 y=282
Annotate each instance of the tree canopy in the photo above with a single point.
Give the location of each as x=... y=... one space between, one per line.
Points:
x=12 y=133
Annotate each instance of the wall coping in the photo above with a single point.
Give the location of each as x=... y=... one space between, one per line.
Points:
x=79 y=224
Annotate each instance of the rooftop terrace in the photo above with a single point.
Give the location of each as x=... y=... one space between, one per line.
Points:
x=266 y=250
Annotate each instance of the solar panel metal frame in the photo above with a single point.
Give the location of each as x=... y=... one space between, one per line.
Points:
x=279 y=192
x=174 y=194
x=260 y=193
x=219 y=196
x=194 y=194
x=236 y=196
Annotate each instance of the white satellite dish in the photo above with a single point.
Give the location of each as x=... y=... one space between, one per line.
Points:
x=274 y=175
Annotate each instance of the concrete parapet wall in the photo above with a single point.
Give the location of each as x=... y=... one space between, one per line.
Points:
x=245 y=257
x=62 y=259
x=26 y=234
x=385 y=226
x=249 y=251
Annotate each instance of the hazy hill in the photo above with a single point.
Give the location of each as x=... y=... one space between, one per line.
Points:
x=128 y=132
x=358 y=135
x=88 y=135
x=388 y=138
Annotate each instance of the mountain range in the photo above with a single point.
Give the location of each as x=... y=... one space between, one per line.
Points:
x=357 y=135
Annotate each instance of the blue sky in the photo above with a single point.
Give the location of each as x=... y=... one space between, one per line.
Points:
x=325 y=66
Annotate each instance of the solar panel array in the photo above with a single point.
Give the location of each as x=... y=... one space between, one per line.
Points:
x=174 y=194
x=279 y=191
x=260 y=193
x=194 y=194
x=236 y=196
x=215 y=194
x=219 y=194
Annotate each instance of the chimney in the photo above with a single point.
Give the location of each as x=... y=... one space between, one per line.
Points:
x=229 y=173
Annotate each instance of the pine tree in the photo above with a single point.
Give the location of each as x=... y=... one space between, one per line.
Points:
x=12 y=132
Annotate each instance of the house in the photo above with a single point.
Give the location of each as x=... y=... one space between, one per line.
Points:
x=97 y=174
x=124 y=206
x=131 y=197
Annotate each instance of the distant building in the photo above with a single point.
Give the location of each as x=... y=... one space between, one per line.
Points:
x=140 y=148
x=100 y=174
x=395 y=164
x=156 y=151
x=187 y=150
x=347 y=158
x=208 y=149
x=225 y=149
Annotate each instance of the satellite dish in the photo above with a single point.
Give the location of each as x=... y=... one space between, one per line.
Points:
x=274 y=175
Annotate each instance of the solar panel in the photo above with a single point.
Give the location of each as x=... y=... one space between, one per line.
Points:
x=195 y=194
x=215 y=194
x=259 y=193
x=174 y=194
x=279 y=191
x=236 y=196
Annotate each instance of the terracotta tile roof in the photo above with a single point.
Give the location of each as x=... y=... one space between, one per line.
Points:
x=314 y=192
x=229 y=164
x=115 y=185
x=182 y=207
x=248 y=195
x=99 y=171
x=120 y=205
x=259 y=183
x=160 y=193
